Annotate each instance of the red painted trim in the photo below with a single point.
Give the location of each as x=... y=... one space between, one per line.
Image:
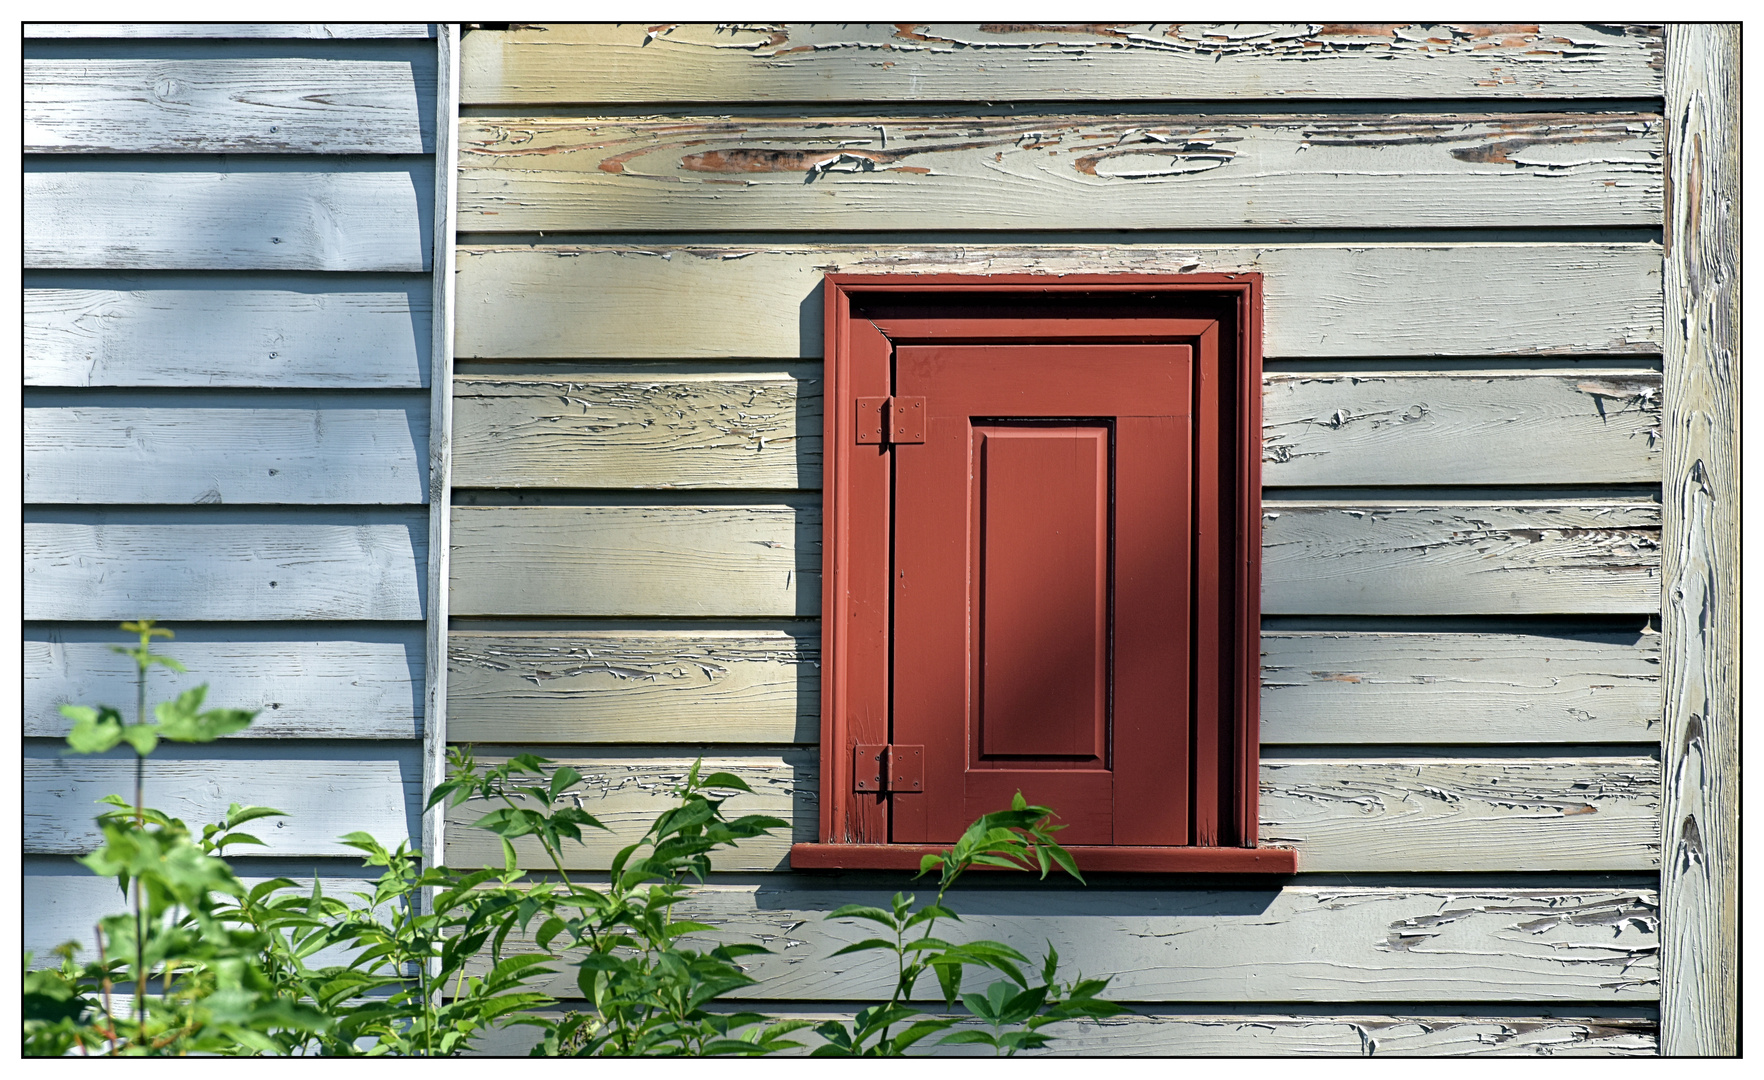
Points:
x=1166 y=860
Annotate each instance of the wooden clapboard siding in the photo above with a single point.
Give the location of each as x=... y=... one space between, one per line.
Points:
x=934 y=62
x=1322 y=300
x=327 y=790
x=294 y=104
x=240 y=448
x=1495 y=688
x=223 y=214
x=321 y=31
x=636 y=560
x=260 y=331
x=673 y=430
x=126 y=564
x=1059 y=171
x=1243 y=946
x=1367 y=428
x=307 y=681
x=1457 y=558
x=610 y=686
x=1342 y=814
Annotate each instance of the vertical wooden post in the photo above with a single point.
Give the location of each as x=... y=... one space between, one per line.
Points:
x=440 y=437
x=1699 y=872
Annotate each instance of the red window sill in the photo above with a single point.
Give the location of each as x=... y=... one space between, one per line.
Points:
x=1185 y=860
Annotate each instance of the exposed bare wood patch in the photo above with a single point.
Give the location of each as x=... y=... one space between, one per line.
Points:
x=678 y=62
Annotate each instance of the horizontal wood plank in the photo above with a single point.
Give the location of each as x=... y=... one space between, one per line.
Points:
x=1324 y=300
x=341 y=214
x=1448 y=558
x=1341 y=814
x=327 y=790
x=1292 y=943
x=1497 y=688
x=196 y=330
x=362 y=450
x=238 y=105
x=741 y=430
x=812 y=62
x=636 y=560
x=320 y=31
x=1059 y=172
x=306 y=682
x=106 y=566
x=1370 y=428
x=595 y=686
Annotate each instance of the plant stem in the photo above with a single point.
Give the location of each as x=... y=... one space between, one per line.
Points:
x=141 y=825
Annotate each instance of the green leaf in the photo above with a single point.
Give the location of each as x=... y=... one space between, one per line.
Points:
x=866 y=945
x=969 y=1036
x=861 y=911
x=726 y=781
x=142 y=737
x=94 y=730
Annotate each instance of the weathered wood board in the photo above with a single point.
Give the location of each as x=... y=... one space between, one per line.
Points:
x=327 y=790
x=112 y=565
x=1291 y=943
x=753 y=430
x=609 y=686
x=226 y=214
x=231 y=105
x=1342 y=814
x=1061 y=171
x=636 y=560
x=153 y=447
x=810 y=62
x=175 y=329
x=322 y=31
x=1370 y=428
x=308 y=682
x=1321 y=687
x=1542 y=556
x=1324 y=300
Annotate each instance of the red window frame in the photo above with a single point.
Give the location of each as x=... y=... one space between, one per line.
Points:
x=867 y=316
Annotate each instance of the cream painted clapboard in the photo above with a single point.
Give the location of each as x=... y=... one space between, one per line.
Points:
x=1397 y=687
x=217 y=213
x=1242 y=945
x=318 y=31
x=108 y=565
x=267 y=331
x=548 y=65
x=292 y=104
x=245 y=447
x=327 y=789
x=1058 y=171
x=636 y=560
x=1342 y=814
x=613 y=686
x=1534 y=557
x=1369 y=428
x=348 y=681
x=1399 y=299
x=714 y=429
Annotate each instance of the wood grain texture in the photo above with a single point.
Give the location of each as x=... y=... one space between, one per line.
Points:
x=238 y=105
x=1700 y=881
x=675 y=430
x=636 y=560
x=593 y=686
x=588 y=301
x=327 y=790
x=337 y=214
x=1344 y=687
x=111 y=565
x=1169 y=943
x=199 y=330
x=1058 y=172
x=634 y=62
x=1370 y=428
x=1448 y=558
x=1342 y=814
x=307 y=683
x=359 y=449
x=320 y=31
